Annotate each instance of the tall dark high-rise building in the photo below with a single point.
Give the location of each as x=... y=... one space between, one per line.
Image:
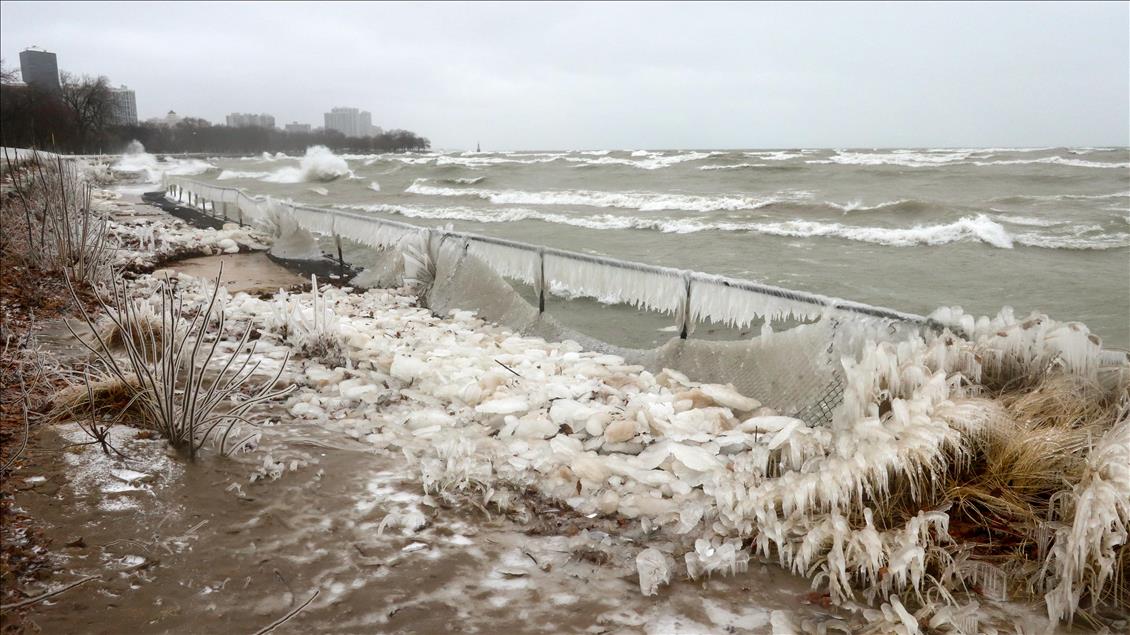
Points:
x=39 y=68
x=123 y=106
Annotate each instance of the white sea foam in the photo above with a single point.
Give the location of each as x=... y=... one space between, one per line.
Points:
x=858 y=206
x=376 y=187
x=319 y=164
x=1099 y=242
x=774 y=155
x=739 y=166
x=645 y=161
x=902 y=158
x=1056 y=160
x=1027 y=221
x=227 y=175
x=643 y=201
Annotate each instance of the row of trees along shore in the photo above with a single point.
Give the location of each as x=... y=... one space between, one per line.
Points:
x=79 y=119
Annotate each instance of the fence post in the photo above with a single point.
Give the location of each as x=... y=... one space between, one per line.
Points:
x=685 y=327
x=541 y=281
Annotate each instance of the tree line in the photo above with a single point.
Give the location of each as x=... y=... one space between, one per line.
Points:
x=79 y=119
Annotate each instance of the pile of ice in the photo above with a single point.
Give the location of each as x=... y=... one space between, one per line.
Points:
x=140 y=242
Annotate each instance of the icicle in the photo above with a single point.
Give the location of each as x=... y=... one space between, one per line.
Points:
x=722 y=301
x=373 y=232
x=314 y=220
x=510 y=262
x=656 y=289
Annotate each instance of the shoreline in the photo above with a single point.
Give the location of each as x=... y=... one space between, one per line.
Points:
x=477 y=416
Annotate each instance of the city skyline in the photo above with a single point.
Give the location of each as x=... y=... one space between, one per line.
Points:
x=40 y=66
x=588 y=76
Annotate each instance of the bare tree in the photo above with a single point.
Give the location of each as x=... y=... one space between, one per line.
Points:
x=90 y=102
x=7 y=74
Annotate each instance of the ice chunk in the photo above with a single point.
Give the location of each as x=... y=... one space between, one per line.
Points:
x=407 y=368
x=503 y=406
x=728 y=397
x=536 y=428
x=653 y=570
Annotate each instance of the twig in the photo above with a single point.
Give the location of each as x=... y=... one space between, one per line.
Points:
x=27 y=427
x=280 y=622
x=38 y=598
x=507 y=368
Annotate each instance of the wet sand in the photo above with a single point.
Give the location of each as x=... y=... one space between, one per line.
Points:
x=199 y=548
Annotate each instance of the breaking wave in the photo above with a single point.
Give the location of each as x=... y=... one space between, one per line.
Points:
x=643 y=201
x=319 y=164
x=227 y=175
x=136 y=160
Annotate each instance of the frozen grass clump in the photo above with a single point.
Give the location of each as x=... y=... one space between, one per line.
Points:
x=314 y=332
x=172 y=378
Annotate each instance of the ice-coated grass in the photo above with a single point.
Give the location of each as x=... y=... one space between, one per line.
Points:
x=168 y=379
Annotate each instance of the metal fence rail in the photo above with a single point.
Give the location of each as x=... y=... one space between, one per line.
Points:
x=691 y=296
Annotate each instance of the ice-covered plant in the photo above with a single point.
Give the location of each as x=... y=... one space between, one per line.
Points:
x=314 y=332
x=174 y=381
x=62 y=230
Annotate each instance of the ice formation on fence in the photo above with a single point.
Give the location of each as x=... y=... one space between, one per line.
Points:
x=712 y=298
x=650 y=288
x=722 y=301
x=517 y=263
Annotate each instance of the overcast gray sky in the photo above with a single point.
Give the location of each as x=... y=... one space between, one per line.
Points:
x=598 y=76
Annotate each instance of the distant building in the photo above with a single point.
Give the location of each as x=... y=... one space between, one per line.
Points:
x=123 y=106
x=168 y=120
x=350 y=122
x=294 y=126
x=40 y=68
x=241 y=120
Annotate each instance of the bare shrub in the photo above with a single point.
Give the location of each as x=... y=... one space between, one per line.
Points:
x=173 y=386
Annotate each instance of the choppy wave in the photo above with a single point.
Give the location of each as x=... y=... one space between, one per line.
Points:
x=462 y=180
x=1099 y=242
x=858 y=206
x=643 y=201
x=227 y=175
x=977 y=229
x=1056 y=160
x=774 y=155
x=643 y=160
x=940 y=158
x=901 y=158
x=1026 y=198
x=1027 y=221
x=738 y=166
